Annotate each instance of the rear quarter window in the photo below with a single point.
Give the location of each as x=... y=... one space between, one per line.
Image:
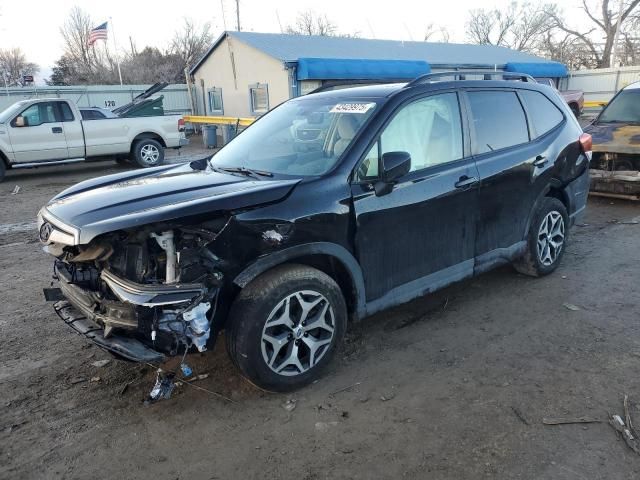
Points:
x=543 y=114
x=498 y=120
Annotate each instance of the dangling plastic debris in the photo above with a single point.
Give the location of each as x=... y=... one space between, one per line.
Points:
x=163 y=387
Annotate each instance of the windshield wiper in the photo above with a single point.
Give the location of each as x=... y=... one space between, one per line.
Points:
x=244 y=171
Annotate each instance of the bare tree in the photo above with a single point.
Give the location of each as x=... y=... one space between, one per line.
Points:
x=13 y=65
x=566 y=48
x=522 y=26
x=89 y=64
x=604 y=25
x=191 y=42
x=309 y=22
x=150 y=65
x=435 y=33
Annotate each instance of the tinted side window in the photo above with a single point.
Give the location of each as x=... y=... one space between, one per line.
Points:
x=498 y=120
x=543 y=114
x=429 y=129
x=91 y=115
x=65 y=111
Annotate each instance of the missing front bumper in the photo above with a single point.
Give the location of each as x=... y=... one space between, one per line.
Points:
x=125 y=347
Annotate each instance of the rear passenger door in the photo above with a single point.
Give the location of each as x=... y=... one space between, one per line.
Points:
x=514 y=161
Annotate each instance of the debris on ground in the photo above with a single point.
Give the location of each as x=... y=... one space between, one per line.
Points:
x=186 y=370
x=124 y=388
x=324 y=426
x=386 y=398
x=568 y=421
x=289 y=405
x=518 y=413
x=571 y=306
x=95 y=379
x=101 y=363
x=163 y=387
x=16 y=190
x=624 y=428
x=76 y=380
x=345 y=389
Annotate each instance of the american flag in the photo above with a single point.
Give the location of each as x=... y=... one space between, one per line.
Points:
x=98 y=33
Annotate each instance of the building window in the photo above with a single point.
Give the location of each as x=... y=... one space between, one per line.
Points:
x=259 y=98
x=215 y=100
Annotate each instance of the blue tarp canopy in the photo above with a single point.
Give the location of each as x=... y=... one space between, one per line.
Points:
x=538 y=69
x=359 y=69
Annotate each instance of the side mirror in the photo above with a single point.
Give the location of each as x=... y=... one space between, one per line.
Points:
x=394 y=166
x=19 y=121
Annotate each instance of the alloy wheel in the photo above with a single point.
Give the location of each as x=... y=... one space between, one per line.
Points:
x=550 y=238
x=298 y=333
x=150 y=154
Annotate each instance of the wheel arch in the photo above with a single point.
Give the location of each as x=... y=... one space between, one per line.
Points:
x=145 y=135
x=330 y=258
x=555 y=190
x=4 y=159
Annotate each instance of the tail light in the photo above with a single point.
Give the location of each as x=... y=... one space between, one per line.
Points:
x=181 y=125
x=586 y=144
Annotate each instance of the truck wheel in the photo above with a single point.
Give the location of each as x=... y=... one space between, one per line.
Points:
x=285 y=327
x=148 y=153
x=546 y=240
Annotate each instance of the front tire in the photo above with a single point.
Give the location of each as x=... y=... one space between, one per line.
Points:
x=148 y=153
x=546 y=240
x=285 y=327
x=3 y=169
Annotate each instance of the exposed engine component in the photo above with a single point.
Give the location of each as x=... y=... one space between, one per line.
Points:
x=199 y=325
x=158 y=285
x=165 y=240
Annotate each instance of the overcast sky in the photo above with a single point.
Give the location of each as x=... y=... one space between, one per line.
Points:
x=34 y=25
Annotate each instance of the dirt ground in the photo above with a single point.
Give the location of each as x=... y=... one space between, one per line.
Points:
x=451 y=386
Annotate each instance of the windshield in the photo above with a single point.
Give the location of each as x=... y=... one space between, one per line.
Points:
x=10 y=111
x=625 y=108
x=305 y=136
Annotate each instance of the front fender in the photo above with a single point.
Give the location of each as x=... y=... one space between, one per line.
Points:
x=341 y=254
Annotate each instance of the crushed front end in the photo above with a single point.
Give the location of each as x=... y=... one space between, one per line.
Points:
x=143 y=294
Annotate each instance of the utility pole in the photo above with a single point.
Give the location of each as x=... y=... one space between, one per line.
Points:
x=238 y=15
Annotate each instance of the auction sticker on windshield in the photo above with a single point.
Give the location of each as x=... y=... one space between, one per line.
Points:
x=352 y=107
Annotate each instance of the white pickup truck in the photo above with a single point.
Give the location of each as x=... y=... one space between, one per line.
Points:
x=47 y=131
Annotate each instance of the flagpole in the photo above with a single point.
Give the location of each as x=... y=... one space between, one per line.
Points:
x=115 y=47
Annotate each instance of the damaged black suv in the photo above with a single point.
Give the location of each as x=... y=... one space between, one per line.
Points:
x=329 y=208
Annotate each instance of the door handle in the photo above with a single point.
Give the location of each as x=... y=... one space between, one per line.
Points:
x=466 y=182
x=56 y=129
x=540 y=161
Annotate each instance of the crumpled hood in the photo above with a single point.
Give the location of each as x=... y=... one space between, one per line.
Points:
x=615 y=137
x=140 y=197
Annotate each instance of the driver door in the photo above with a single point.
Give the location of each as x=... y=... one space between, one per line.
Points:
x=421 y=235
x=42 y=136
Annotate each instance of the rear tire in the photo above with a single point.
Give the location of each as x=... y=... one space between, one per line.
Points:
x=546 y=239
x=148 y=153
x=285 y=327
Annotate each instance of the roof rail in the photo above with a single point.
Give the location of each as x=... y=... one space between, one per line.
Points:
x=338 y=84
x=460 y=74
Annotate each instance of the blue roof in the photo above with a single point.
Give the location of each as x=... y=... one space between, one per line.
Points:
x=547 y=69
x=357 y=68
x=291 y=48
